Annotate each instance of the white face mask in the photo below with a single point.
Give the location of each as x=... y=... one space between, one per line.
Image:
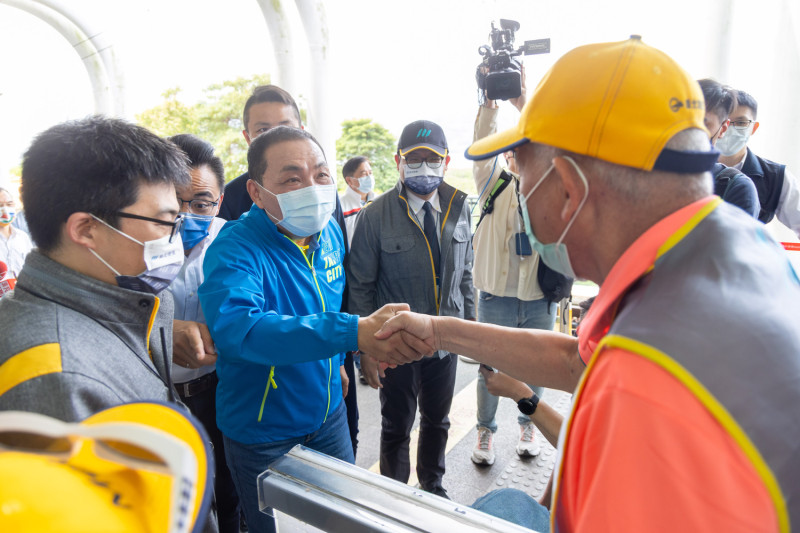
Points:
x=734 y=140
x=163 y=261
x=305 y=211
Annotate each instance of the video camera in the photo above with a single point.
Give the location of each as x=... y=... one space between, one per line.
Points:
x=504 y=77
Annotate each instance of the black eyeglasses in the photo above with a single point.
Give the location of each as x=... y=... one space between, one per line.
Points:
x=176 y=226
x=741 y=124
x=416 y=162
x=199 y=206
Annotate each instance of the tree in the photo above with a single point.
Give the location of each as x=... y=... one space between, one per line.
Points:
x=216 y=118
x=373 y=141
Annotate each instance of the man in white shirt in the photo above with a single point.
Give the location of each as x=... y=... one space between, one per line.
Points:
x=194 y=354
x=357 y=174
x=14 y=243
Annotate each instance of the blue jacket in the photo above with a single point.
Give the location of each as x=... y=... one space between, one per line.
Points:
x=280 y=338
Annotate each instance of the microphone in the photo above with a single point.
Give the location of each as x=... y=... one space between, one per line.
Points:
x=7 y=279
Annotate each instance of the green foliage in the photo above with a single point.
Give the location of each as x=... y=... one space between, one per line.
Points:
x=217 y=118
x=373 y=141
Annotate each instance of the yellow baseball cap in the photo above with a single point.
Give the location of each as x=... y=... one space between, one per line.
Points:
x=133 y=467
x=620 y=102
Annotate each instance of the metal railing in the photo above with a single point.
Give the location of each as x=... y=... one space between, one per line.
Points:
x=335 y=496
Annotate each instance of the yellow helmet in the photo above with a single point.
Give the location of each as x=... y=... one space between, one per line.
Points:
x=133 y=467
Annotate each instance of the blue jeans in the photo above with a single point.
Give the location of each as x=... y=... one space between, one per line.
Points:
x=514 y=313
x=247 y=461
x=516 y=507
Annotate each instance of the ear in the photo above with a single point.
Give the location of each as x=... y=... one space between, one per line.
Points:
x=446 y=162
x=81 y=229
x=247 y=137
x=723 y=128
x=755 y=127
x=397 y=160
x=252 y=190
x=219 y=205
x=573 y=186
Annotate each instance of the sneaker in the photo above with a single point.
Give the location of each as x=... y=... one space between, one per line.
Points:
x=527 y=447
x=483 y=454
x=361 y=377
x=466 y=359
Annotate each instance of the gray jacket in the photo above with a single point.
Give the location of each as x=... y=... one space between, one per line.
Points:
x=71 y=345
x=390 y=260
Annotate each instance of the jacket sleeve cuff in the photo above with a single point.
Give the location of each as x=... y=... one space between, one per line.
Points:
x=352 y=333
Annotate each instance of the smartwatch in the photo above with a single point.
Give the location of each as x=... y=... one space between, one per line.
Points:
x=527 y=406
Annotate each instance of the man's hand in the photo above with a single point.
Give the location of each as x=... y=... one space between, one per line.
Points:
x=519 y=101
x=411 y=325
x=393 y=349
x=192 y=346
x=500 y=384
x=345 y=381
x=373 y=371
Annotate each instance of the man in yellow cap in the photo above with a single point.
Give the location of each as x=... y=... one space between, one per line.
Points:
x=682 y=420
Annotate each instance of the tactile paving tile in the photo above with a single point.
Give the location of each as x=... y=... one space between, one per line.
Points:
x=531 y=475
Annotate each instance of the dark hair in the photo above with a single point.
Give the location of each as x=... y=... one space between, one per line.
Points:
x=744 y=99
x=269 y=93
x=94 y=165
x=720 y=99
x=200 y=153
x=257 y=153
x=349 y=168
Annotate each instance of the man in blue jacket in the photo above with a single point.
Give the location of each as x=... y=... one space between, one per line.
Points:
x=274 y=282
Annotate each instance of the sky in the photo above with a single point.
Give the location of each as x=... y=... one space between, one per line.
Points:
x=390 y=62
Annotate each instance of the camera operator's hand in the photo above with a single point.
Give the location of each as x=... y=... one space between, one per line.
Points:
x=491 y=104
x=519 y=102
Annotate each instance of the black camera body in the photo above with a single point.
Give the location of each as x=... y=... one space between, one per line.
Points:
x=502 y=78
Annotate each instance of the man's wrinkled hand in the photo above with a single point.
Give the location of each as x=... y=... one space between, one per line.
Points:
x=192 y=346
x=410 y=326
x=392 y=349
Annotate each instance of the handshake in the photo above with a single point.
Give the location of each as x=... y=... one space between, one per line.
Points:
x=393 y=336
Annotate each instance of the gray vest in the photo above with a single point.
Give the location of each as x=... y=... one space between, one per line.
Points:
x=727 y=310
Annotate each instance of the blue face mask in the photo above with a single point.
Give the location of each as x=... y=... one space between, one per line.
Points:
x=305 y=211
x=423 y=180
x=195 y=229
x=554 y=255
x=366 y=184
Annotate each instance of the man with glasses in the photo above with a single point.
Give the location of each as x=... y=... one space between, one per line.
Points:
x=778 y=190
x=194 y=358
x=412 y=245
x=89 y=325
x=729 y=184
